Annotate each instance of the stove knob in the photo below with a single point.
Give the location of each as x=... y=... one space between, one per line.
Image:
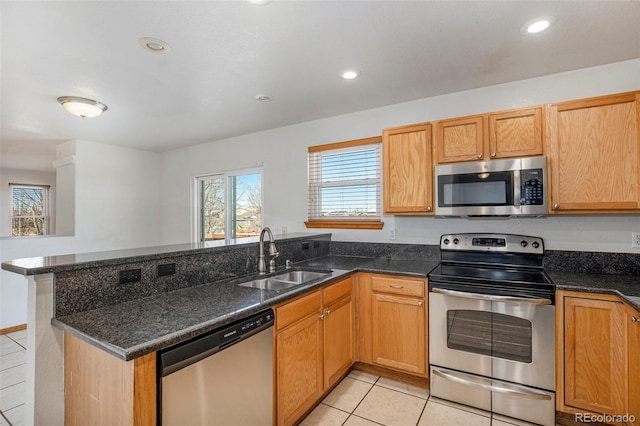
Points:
x=535 y=244
x=446 y=241
x=523 y=243
x=456 y=241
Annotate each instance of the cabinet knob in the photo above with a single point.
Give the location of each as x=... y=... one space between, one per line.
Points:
x=420 y=304
x=556 y=206
x=321 y=317
x=328 y=312
x=634 y=319
x=493 y=154
x=428 y=208
x=479 y=155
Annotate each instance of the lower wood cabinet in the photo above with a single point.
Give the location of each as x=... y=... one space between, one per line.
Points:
x=598 y=360
x=392 y=322
x=315 y=340
x=100 y=389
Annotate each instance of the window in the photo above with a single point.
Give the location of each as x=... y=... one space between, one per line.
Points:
x=344 y=185
x=29 y=209
x=229 y=205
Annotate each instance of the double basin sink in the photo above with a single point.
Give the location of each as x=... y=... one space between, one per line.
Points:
x=286 y=280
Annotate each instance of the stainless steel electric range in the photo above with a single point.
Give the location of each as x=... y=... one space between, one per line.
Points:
x=492 y=326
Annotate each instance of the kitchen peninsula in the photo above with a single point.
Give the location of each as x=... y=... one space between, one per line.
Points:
x=82 y=295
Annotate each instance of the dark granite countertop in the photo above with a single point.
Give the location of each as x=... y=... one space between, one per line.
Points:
x=70 y=262
x=625 y=286
x=131 y=329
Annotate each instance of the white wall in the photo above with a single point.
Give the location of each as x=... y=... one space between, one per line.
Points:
x=33 y=177
x=116 y=207
x=283 y=153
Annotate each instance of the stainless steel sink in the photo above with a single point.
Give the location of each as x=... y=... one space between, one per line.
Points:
x=285 y=280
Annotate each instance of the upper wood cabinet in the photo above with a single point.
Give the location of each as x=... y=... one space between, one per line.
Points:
x=594 y=154
x=598 y=357
x=507 y=134
x=407 y=170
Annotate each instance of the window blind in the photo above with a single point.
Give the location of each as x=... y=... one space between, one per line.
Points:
x=345 y=182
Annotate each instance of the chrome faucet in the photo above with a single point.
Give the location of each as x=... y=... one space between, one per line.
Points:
x=273 y=252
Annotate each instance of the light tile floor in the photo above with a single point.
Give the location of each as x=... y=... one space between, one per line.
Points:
x=13 y=355
x=362 y=399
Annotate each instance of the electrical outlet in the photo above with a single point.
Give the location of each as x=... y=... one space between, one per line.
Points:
x=392 y=233
x=166 y=269
x=635 y=240
x=130 y=276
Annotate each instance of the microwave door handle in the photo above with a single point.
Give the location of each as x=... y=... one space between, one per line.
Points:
x=480 y=383
x=491 y=297
x=517 y=190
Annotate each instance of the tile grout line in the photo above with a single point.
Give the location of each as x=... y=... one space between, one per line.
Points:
x=358 y=404
x=5 y=418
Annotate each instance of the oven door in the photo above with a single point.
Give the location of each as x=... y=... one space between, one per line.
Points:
x=506 y=338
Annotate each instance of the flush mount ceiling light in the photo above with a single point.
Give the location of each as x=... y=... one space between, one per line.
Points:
x=537 y=25
x=350 y=74
x=82 y=107
x=262 y=97
x=259 y=2
x=154 y=45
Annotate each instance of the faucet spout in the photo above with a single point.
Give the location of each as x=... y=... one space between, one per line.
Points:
x=273 y=252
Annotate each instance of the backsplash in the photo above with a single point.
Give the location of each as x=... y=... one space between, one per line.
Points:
x=592 y=262
x=86 y=289
x=392 y=251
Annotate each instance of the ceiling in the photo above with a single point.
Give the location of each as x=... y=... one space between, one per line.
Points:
x=226 y=52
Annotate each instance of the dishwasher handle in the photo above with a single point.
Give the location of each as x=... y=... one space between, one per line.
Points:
x=184 y=354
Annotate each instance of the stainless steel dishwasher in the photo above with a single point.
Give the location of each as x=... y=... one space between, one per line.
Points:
x=222 y=378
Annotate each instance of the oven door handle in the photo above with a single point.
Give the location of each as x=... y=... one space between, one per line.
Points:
x=512 y=390
x=491 y=297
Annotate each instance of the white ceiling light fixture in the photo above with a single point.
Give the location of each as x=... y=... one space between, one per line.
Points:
x=537 y=25
x=263 y=97
x=350 y=74
x=82 y=107
x=259 y=2
x=154 y=45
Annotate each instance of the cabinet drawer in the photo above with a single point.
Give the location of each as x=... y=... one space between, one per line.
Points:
x=337 y=290
x=404 y=286
x=291 y=312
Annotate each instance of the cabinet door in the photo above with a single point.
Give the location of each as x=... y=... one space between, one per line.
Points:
x=407 y=170
x=399 y=337
x=299 y=368
x=633 y=320
x=516 y=133
x=594 y=150
x=460 y=139
x=595 y=355
x=339 y=339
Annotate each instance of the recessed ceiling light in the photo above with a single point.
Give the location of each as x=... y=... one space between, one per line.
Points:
x=537 y=25
x=259 y=2
x=350 y=74
x=263 y=97
x=154 y=45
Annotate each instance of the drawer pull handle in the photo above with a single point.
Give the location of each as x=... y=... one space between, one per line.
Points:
x=396 y=286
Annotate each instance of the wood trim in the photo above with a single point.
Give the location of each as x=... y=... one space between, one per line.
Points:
x=13 y=328
x=618 y=98
x=344 y=224
x=144 y=390
x=345 y=144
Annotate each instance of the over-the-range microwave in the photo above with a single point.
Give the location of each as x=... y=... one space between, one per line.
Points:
x=511 y=187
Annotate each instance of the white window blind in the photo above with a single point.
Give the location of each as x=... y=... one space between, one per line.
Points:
x=344 y=183
x=29 y=209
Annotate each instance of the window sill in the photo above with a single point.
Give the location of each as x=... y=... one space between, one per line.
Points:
x=345 y=224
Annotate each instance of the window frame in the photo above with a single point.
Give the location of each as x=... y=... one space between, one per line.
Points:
x=197 y=201
x=347 y=222
x=46 y=216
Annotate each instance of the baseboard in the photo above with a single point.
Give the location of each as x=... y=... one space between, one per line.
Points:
x=14 y=328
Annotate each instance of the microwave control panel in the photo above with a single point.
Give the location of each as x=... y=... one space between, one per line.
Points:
x=532 y=192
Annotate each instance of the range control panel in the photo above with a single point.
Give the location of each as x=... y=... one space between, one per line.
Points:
x=504 y=243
